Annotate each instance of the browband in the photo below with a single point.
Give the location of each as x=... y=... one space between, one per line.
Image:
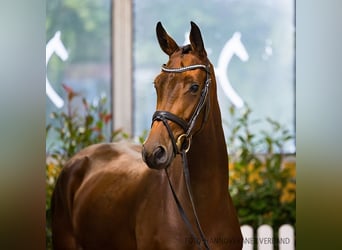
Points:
x=183 y=69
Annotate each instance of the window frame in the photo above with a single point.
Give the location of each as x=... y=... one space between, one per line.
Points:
x=122 y=65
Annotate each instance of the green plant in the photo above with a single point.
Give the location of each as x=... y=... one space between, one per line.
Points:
x=77 y=128
x=262 y=184
x=74 y=129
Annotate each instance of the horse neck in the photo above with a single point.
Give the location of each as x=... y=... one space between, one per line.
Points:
x=208 y=158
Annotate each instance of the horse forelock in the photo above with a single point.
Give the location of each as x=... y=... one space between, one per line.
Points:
x=185 y=56
x=186 y=49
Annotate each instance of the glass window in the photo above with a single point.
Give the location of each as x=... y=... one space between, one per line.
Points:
x=78 y=51
x=250 y=43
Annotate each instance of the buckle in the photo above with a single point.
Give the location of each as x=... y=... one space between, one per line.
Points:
x=183 y=143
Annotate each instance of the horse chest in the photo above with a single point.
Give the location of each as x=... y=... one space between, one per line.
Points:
x=158 y=224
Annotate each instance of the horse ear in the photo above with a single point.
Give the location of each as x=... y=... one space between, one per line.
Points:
x=167 y=44
x=196 y=40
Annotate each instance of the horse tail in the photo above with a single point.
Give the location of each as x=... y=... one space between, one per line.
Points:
x=68 y=182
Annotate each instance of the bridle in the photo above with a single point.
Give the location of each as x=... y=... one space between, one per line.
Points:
x=183 y=143
x=184 y=140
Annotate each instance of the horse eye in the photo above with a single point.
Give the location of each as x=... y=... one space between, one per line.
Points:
x=194 y=88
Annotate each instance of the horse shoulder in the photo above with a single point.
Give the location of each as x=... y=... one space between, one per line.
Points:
x=90 y=161
x=107 y=166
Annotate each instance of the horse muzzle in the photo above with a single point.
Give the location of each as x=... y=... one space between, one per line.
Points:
x=157 y=151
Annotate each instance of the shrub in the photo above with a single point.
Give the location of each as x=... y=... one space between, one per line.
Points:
x=262 y=185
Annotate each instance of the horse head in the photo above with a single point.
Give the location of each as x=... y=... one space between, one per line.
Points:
x=182 y=98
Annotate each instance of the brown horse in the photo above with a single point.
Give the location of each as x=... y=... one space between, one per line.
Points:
x=107 y=197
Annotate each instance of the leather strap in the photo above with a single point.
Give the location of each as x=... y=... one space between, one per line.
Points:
x=182 y=212
x=188 y=187
x=181 y=209
x=160 y=115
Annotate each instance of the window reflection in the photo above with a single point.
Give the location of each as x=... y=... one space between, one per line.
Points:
x=250 y=43
x=83 y=29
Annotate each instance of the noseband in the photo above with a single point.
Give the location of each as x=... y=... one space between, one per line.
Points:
x=183 y=141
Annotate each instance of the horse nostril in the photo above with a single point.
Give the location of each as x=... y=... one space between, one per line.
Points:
x=157 y=159
x=159 y=154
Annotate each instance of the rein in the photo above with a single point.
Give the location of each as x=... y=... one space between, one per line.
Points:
x=183 y=143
